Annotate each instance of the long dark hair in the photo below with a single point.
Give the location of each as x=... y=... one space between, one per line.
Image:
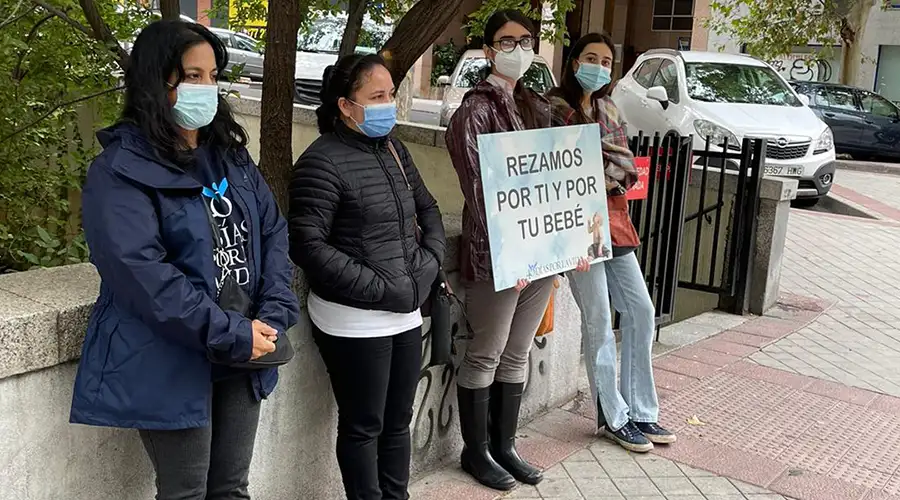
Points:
x=343 y=80
x=522 y=96
x=155 y=56
x=569 y=88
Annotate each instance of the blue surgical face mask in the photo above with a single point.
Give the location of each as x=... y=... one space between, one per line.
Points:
x=592 y=77
x=196 y=105
x=378 y=119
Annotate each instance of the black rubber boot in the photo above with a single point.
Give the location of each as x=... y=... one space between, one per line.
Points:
x=476 y=457
x=506 y=399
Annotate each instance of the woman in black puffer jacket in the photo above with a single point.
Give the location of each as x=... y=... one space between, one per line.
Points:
x=369 y=237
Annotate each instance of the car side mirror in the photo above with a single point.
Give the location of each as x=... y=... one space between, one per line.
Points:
x=443 y=81
x=804 y=99
x=660 y=95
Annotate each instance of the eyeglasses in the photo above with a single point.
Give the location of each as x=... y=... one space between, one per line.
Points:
x=508 y=45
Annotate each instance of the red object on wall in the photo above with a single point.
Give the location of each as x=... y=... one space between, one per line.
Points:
x=641 y=188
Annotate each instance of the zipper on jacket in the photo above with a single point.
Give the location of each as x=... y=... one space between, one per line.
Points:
x=399 y=202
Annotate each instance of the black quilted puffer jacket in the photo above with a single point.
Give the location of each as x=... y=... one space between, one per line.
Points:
x=353 y=222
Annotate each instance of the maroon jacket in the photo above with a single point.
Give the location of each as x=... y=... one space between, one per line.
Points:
x=485 y=109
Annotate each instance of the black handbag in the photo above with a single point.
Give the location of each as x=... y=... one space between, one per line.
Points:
x=439 y=305
x=232 y=297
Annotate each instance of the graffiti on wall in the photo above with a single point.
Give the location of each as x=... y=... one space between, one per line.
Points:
x=799 y=67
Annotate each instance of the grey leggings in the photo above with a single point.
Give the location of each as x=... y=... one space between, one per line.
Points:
x=503 y=328
x=209 y=463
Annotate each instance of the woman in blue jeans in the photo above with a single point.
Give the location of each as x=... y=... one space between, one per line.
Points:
x=627 y=414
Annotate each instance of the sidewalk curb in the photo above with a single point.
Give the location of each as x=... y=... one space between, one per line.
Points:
x=869 y=167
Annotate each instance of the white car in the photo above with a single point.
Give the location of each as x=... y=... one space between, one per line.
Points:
x=729 y=96
x=471 y=69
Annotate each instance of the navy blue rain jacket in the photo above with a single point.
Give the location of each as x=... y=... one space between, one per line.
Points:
x=145 y=361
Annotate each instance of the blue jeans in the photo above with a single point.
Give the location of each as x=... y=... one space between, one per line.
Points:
x=635 y=398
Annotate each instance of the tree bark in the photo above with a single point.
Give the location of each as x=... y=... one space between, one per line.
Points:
x=101 y=31
x=418 y=29
x=276 y=157
x=170 y=9
x=356 y=12
x=852 y=29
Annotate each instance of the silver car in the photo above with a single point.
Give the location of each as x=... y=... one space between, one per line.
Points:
x=242 y=49
x=471 y=69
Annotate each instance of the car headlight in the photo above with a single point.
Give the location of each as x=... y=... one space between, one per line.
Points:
x=717 y=135
x=825 y=142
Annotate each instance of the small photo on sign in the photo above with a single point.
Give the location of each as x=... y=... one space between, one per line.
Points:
x=545 y=201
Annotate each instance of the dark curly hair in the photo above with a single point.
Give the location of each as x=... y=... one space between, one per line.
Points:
x=155 y=56
x=343 y=80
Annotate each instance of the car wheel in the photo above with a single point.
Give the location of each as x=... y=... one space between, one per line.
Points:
x=805 y=202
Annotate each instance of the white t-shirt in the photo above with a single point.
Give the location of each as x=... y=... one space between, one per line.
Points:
x=345 y=321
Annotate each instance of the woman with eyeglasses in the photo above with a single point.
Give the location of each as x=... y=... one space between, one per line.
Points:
x=627 y=414
x=492 y=375
x=370 y=240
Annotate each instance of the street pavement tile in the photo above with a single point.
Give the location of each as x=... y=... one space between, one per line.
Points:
x=749 y=489
x=673 y=486
x=684 y=366
x=656 y=467
x=622 y=468
x=544 y=451
x=596 y=487
x=523 y=491
x=693 y=471
x=578 y=470
x=710 y=357
x=558 y=487
x=581 y=456
x=737 y=464
x=636 y=486
x=743 y=338
x=804 y=485
x=715 y=486
x=565 y=426
x=717 y=344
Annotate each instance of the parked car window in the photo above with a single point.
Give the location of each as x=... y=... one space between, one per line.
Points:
x=840 y=98
x=644 y=74
x=738 y=83
x=245 y=43
x=878 y=106
x=667 y=77
x=537 y=78
x=225 y=37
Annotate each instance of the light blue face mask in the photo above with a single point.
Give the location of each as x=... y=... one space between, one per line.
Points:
x=196 y=105
x=592 y=77
x=378 y=119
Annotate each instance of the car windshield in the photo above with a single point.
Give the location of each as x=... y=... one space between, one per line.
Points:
x=737 y=83
x=537 y=78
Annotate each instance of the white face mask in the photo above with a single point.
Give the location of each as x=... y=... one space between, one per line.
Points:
x=513 y=64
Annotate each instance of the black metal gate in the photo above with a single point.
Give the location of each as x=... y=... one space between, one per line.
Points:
x=664 y=216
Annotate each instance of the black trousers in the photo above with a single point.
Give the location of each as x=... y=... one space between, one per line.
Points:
x=209 y=463
x=374 y=382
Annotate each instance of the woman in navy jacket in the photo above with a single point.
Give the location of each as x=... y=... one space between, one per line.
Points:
x=145 y=362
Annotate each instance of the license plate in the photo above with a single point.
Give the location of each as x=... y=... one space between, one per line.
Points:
x=785 y=171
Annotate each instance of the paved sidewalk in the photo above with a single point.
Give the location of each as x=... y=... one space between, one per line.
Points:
x=852 y=263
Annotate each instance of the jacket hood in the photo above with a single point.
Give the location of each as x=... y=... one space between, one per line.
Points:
x=131 y=155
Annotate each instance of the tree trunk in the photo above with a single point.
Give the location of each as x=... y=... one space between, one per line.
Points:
x=170 y=9
x=852 y=31
x=102 y=32
x=418 y=29
x=356 y=12
x=276 y=157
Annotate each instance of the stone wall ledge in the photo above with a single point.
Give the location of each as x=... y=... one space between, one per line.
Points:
x=416 y=133
x=44 y=312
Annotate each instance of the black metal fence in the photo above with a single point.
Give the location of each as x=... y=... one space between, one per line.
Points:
x=715 y=231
